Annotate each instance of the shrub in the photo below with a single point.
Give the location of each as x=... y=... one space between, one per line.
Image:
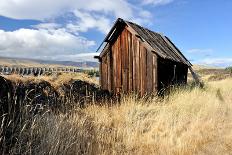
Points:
x=92 y=73
x=229 y=69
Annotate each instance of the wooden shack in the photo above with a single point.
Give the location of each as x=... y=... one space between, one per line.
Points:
x=135 y=59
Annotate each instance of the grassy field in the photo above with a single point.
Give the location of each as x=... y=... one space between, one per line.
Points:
x=55 y=79
x=190 y=120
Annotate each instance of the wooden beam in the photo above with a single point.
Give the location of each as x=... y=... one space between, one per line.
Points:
x=144 y=43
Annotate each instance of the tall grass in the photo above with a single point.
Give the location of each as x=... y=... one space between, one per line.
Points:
x=55 y=80
x=188 y=121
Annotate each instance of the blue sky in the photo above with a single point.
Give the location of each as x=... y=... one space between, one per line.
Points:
x=73 y=29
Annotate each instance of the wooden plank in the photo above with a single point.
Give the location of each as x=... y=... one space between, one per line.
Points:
x=119 y=67
x=144 y=70
x=123 y=47
x=126 y=62
x=141 y=68
x=104 y=51
x=145 y=44
x=134 y=49
x=155 y=75
x=100 y=77
x=106 y=72
x=149 y=80
x=109 y=67
x=114 y=53
x=116 y=66
x=112 y=70
x=130 y=63
x=138 y=56
x=103 y=73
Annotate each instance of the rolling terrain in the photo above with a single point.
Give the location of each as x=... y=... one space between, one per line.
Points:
x=20 y=62
x=69 y=114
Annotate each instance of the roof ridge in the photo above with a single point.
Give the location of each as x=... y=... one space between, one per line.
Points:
x=157 y=41
x=174 y=50
x=141 y=26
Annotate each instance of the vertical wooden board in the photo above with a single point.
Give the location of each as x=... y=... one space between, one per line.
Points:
x=141 y=68
x=127 y=59
x=149 y=80
x=114 y=54
x=103 y=73
x=124 y=84
x=155 y=74
x=134 y=49
x=145 y=74
x=123 y=59
x=138 y=62
x=100 y=71
x=144 y=82
x=126 y=62
x=186 y=74
x=119 y=67
x=130 y=63
x=106 y=72
x=116 y=65
x=112 y=67
x=109 y=70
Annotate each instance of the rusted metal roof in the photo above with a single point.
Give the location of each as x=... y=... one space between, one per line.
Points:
x=160 y=44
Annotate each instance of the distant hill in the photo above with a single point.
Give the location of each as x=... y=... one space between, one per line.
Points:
x=24 y=62
x=200 y=67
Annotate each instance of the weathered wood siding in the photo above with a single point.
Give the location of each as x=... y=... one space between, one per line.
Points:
x=129 y=66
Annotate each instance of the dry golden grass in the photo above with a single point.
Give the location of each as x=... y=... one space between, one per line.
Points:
x=189 y=121
x=210 y=73
x=200 y=67
x=55 y=80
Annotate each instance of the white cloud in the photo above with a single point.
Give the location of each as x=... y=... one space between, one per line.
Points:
x=52 y=40
x=156 y=2
x=44 y=9
x=47 y=26
x=76 y=57
x=145 y=14
x=120 y=8
x=41 y=43
x=32 y=9
x=88 y=14
x=220 y=62
x=88 y=21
